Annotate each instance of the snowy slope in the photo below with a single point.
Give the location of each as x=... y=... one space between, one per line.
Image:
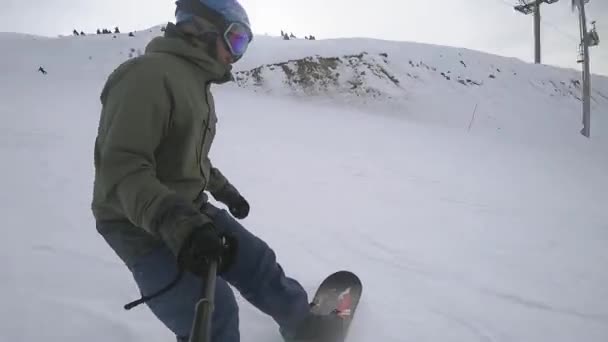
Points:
x=449 y=82
x=462 y=223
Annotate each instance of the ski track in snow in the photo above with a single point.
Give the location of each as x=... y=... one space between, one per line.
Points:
x=538 y=305
x=480 y=334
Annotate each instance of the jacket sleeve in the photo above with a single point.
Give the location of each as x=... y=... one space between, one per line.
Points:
x=216 y=179
x=137 y=111
x=219 y=186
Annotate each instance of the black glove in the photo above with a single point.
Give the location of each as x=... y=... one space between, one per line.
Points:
x=237 y=204
x=205 y=245
x=239 y=207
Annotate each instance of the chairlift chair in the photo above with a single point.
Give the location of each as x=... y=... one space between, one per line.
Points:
x=581 y=55
x=594 y=37
x=526 y=8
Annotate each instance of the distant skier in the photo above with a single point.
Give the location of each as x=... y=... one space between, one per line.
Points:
x=152 y=172
x=41 y=69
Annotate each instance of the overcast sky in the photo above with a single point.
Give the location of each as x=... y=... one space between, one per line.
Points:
x=488 y=25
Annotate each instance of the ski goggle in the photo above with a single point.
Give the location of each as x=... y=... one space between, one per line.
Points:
x=237 y=38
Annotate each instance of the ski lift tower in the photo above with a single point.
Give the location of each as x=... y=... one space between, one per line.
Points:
x=588 y=39
x=533 y=6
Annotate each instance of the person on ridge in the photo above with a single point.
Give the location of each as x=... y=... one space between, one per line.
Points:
x=153 y=173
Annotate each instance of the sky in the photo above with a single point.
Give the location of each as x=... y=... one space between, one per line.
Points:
x=487 y=25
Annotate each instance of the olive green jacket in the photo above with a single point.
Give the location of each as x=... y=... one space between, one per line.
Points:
x=156 y=128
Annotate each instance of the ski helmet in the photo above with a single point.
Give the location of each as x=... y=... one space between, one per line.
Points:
x=219 y=12
x=228 y=16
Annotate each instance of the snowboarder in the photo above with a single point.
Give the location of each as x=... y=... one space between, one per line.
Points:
x=153 y=173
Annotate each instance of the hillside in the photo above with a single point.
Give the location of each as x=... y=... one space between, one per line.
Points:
x=455 y=183
x=446 y=83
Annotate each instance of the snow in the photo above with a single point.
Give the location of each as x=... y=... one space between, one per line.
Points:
x=471 y=213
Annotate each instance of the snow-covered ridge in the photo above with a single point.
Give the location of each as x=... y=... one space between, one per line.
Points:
x=360 y=75
x=374 y=76
x=427 y=83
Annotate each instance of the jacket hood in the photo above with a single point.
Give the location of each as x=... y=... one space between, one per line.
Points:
x=195 y=51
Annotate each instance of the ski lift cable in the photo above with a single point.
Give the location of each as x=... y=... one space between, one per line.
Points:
x=551 y=25
x=560 y=31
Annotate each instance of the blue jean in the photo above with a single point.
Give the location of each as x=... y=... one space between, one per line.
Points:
x=255 y=274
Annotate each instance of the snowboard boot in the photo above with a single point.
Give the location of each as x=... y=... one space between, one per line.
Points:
x=316 y=328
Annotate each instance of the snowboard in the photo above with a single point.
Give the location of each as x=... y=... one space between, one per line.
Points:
x=339 y=294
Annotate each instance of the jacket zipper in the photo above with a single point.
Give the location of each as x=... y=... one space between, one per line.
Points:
x=202 y=145
x=208 y=116
x=206 y=128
